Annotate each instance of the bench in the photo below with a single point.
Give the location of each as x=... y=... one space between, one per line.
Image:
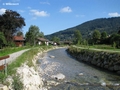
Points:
x=4 y=64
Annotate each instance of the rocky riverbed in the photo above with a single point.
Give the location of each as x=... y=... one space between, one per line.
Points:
x=60 y=71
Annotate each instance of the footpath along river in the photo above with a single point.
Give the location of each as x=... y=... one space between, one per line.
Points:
x=76 y=75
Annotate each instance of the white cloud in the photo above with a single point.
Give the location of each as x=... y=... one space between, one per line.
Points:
x=45 y=3
x=39 y=13
x=115 y=14
x=2 y=11
x=66 y=10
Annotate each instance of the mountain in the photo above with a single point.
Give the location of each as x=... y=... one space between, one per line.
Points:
x=110 y=25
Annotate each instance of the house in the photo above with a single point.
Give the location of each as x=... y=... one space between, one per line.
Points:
x=19 y=40
x=42 y=41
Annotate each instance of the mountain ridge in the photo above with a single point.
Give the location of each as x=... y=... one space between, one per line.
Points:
x=110 y=25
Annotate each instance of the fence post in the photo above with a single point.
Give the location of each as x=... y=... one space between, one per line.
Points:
x=5 y=67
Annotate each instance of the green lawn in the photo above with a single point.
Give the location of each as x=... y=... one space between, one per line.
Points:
x=7 y=51
x=107 y=48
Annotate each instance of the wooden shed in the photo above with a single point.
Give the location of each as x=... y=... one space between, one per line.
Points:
x=19 y=40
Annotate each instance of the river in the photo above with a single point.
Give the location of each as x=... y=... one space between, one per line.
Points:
x=78 y=76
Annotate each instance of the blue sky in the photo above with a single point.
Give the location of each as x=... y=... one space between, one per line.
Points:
x=55 y=15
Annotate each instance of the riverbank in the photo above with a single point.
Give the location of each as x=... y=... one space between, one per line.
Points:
x=61 y=72
x=23 y=71
x=102 y=59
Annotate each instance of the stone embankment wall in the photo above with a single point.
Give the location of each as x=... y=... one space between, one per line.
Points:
x=105 y=60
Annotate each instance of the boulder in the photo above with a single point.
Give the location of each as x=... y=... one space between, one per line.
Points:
x=80 y=74
x=59 y=76
x=52 y=56
x=30 y=78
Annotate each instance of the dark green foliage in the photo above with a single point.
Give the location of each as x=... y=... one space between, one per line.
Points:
x=110 y=25
x=104 y=35
x=96 y=36
x=2 y=40
x=56 y=39
x=10 y=23
x=104 y=38
x=115 y=40
x=19 y=33
x=32 y=34
x=78 y=37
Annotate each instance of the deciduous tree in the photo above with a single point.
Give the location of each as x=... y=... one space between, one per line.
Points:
x=104 y=35
x=32 y=34
x=78 y=37
x=10 y=23
x=96 y=36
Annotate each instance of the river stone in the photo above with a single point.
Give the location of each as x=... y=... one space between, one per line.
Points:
x=80 y=74
x=105 y=62
x=94 y=62
x=111 y=68
x=117 y=67
x=52 y=83
x=103 y=84
x=3 y=87
x=118 y=72
x=99 y=64
x=52 y=56
x=59 y=76
x=106 y=66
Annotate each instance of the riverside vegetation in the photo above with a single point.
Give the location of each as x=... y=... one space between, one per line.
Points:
x=27 y=58
x=103 y=59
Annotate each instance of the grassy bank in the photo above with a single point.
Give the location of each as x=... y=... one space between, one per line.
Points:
x=106 y=48
x=8 y=50
x=25 y=57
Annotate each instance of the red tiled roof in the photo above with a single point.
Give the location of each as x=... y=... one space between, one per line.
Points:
x=18 y=38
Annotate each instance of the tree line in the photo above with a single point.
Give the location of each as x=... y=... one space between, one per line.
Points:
x=98 y=38
x=11 y=24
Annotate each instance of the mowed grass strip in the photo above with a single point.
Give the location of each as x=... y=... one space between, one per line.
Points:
x=9 y=50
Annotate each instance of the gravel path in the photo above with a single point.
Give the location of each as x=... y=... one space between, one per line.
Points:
x=13 y=56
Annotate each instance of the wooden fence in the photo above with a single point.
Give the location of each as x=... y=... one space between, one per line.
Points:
x=3 y=66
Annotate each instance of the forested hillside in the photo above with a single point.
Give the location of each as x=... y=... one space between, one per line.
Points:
x=110 y=25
